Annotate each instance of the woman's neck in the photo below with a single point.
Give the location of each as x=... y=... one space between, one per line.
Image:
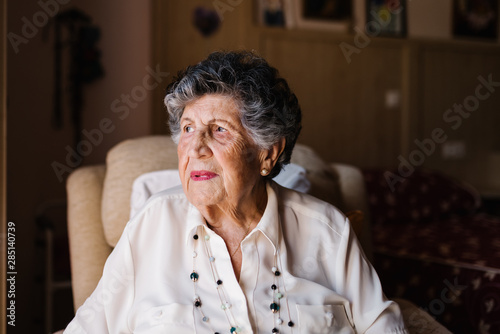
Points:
x=234 y=223
x=237 y=213
x=234 y=220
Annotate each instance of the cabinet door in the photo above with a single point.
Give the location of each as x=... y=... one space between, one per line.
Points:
x=345 y=116
x=451 y=100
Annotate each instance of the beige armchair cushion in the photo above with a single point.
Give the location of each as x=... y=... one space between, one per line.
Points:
x=88 y=247
x=324 y=180
x=124 y=163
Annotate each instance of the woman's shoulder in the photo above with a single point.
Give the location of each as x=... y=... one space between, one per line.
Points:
x=311 y=210
x=167 y=215
x=171 y=201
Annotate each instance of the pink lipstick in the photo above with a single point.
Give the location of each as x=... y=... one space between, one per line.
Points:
x=202 y=175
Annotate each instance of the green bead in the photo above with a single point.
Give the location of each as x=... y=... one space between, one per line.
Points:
x=274 y=307
x=279 y=295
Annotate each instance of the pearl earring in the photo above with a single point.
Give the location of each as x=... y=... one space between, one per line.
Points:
x=264 y=172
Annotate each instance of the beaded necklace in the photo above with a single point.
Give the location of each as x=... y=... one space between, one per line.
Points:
x=277 y=294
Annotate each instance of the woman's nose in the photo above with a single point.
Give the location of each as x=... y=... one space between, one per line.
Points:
x=199 y=146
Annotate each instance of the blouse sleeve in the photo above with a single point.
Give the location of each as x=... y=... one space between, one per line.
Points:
x=106 y=310
x=357 y=279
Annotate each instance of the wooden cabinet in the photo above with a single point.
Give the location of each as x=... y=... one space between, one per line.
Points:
x=451 y=79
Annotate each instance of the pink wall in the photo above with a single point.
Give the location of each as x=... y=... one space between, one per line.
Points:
x=33 y=145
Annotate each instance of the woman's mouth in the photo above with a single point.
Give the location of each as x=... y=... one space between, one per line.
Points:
x=202 y=175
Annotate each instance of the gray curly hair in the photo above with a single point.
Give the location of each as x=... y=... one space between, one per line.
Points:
x=269 y=109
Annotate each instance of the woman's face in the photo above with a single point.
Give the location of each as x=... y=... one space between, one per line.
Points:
x=218 y=161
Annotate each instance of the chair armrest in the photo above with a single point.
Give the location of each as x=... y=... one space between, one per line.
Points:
x=417 y=320
x=353 y=192
x=88 y=247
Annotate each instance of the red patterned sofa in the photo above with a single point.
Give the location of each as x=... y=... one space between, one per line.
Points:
x=434 y=246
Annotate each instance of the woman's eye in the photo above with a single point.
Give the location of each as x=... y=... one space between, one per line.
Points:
x=221 y=129
x=188 y=129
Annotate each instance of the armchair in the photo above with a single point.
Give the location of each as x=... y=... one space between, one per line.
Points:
x=99 y=205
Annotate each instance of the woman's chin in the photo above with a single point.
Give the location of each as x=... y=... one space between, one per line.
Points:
x=203 y=198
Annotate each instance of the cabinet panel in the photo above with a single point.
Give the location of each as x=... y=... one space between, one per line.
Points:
x=344 y=113
x=450 y=101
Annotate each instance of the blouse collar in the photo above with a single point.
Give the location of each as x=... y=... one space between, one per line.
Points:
x=269 y=224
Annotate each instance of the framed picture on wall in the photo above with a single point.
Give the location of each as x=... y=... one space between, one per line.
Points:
x=386 y=18
x=333 y=15
x=275 y=13
x=271 y=13
x=475 y=18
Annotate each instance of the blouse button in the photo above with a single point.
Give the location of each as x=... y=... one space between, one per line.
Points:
x=329 y=315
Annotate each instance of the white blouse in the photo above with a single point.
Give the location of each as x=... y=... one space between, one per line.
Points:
x=302 y=259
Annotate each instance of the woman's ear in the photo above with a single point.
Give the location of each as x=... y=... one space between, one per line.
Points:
x=270 y=156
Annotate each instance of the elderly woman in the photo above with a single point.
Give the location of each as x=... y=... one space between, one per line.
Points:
x=228 y=252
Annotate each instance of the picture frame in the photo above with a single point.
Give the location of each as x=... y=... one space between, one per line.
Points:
x=330 y=15
x=475 y=19
x=386 y=18
x=274 y=13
